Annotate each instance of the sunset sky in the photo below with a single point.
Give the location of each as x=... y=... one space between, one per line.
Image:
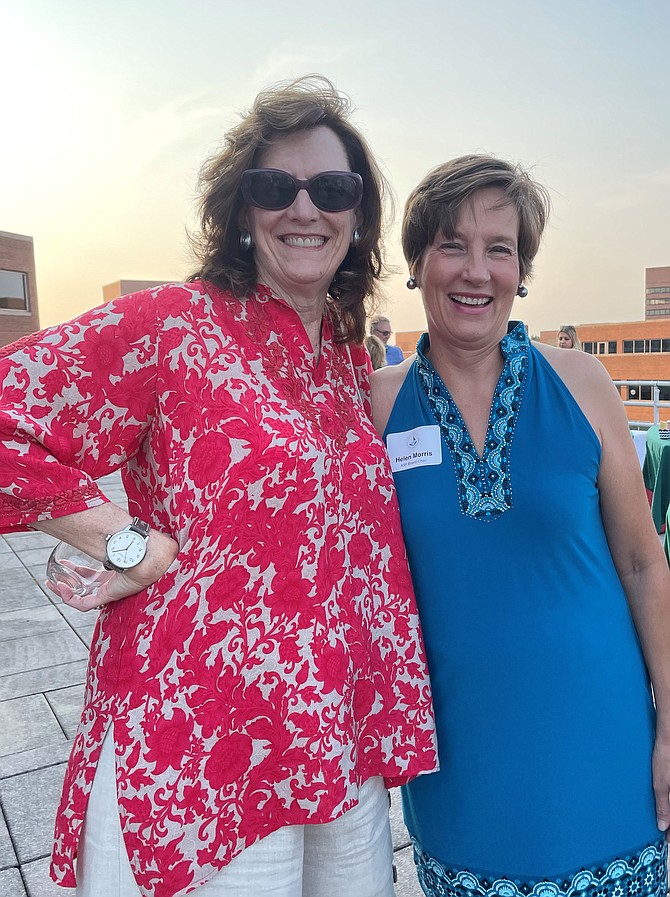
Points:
x=108 y=110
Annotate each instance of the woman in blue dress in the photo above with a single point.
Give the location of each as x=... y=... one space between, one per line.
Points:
x=543 y=590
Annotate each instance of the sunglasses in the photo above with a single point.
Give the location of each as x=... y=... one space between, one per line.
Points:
x=273 y=189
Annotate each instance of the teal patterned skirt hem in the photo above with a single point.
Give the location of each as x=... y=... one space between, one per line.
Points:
x=642 y=873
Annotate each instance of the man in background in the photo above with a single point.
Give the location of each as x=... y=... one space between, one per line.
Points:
x=381 y=328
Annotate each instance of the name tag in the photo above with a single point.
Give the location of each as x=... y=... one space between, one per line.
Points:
x=420 y=447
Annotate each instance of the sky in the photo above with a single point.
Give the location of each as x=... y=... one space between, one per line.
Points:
x=109 y=110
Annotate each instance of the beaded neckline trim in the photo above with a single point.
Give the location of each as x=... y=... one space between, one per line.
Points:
x=484 y=484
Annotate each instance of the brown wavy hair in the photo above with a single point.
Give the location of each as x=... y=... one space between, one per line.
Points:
x=280 y=110
x=433 y=206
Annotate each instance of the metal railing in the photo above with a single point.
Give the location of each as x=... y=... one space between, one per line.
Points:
x=655 y=402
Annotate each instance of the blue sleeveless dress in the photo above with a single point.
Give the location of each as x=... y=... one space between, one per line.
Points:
x=544 y=716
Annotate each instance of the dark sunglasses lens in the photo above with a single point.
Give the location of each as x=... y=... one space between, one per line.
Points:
x=335 y=192
x=271 y=189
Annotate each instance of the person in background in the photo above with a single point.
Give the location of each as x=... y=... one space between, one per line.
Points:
x=567 y=338
x=256 y=672
x=381 y=328
x=551 y=753
x=376 y=350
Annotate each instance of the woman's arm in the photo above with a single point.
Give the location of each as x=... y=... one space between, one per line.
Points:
x=76 y=401
x=87 y=530
x=385 y=385
x=644 y=573
x=634 y=544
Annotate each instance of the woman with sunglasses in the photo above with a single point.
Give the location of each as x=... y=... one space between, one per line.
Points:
x=256 y=673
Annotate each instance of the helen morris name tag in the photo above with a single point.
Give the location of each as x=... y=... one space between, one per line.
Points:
x=419 y=447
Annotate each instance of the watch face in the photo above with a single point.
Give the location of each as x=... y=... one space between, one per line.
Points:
x=126 y=549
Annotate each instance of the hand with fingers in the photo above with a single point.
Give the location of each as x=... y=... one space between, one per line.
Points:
x=661 y=779
x=104 y=588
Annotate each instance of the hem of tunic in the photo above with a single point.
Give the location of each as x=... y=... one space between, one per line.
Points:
x=642 y=872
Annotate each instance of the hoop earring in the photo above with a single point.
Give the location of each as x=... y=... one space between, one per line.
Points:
x=356 y=238
x=522 y=291
x=411 y=283
x=246 y=240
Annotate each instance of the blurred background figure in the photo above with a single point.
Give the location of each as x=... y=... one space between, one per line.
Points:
x=377 y=351
x=567 y=338
x=381 y=328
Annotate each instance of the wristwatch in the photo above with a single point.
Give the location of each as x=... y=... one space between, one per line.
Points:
x=128 y=547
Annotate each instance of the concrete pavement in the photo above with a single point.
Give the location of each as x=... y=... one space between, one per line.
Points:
x=43 y=655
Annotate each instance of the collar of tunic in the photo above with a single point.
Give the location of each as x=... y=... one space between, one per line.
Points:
x=484 y=483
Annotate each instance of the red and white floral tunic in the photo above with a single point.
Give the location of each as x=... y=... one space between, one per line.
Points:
x=277 y=664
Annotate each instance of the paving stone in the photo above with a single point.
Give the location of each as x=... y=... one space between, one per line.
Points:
x=18 y=589
x=38 y=574
x=39 y=883
x=85 y=633
x=30 y=621
x=27 y=723
x=30 y=802
x=66 y=703
x=33 y=556
x=35 y=681
x=399 y=833
x=76 y=619
x=4 y=546
x=10 y=561
x=37 y=758
x=34 y=652
x=407 y=884
x=11 y=884
x=34 y=539
x=7 y=855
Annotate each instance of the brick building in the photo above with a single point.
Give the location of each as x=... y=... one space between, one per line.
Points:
x=123 y=287
x=634 y=350
x=19 y=314
x=656 y=293
x=407 y=340
x=631 y=350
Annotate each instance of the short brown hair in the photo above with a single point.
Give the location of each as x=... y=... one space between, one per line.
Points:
x=433 y=206
x=278 y=111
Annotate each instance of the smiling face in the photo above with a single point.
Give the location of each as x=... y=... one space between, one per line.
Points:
x=564 y=341
x=468 y=281
x=299 y=249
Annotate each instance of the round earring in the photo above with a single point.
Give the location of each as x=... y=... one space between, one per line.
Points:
x=246 y=240
x=522 y=291
x=356 y=238
x=411 y=283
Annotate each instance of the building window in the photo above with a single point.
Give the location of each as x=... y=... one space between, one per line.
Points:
x=641 y=393
x=664 y=393
x=611 y=347
x=588 y=347
x=655 y=345
x=665 y=345
x=14 y=290
x=651 y=290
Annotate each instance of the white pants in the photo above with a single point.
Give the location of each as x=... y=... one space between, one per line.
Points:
x=350 y=857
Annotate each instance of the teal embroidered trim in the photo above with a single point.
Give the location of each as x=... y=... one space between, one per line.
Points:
x=643 y=873
x=484 y=484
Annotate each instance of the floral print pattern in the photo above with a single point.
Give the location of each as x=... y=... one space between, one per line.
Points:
x=277 y=664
